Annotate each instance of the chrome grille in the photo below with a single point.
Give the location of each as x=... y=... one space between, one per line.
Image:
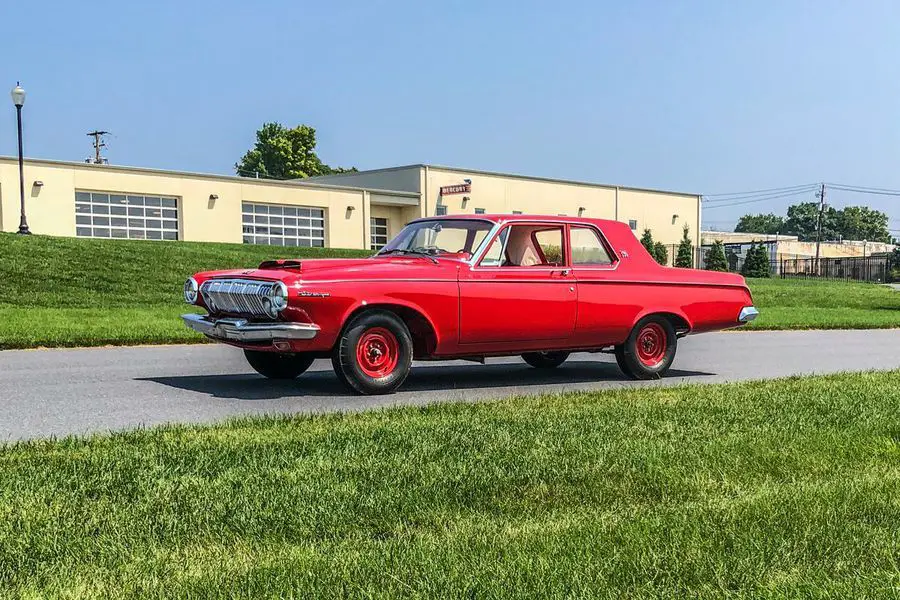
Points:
x=237 y=296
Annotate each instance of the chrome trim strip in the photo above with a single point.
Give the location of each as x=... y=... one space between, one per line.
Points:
x=747 y=314
x=241 y=330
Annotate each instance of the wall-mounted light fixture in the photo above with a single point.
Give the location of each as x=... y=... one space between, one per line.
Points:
x=464 y=200
x=213 y=196
x=674 y=218
x=581 y=210
x=38 y=184
x=351 y=208
x=212 y=201
x=467 y=181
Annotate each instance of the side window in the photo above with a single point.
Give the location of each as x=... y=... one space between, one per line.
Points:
x=550 y=242
x=534 y=246
x=587 y=248
x=493 y=255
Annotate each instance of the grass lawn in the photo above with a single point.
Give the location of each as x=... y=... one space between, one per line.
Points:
x=776 y=489
x=810 y=304
x=58 y=291
x=75 y=292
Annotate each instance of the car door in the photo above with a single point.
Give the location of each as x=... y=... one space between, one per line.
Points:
x=521 y=290
x=606 y=305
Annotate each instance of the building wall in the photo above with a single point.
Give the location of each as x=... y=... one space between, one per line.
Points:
x=51 y=207
x=505 y=194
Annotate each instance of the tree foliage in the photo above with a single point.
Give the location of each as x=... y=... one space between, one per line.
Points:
x=685 y=255
x=763 y=223
x=282 y=153
x=660 y=253
x=850 y=223
x=647 y=241
x=756 y=263
x=715 y=257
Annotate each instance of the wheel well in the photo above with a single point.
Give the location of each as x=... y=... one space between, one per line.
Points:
x=423 y=335
x=679 y=323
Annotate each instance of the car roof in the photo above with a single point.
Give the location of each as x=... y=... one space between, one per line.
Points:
x=508 y=218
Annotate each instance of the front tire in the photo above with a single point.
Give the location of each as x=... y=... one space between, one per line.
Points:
x=374 y=353
x=649 y=350
x=277 y=365
x=545 y=360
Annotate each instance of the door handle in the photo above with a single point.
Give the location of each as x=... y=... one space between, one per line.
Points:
x=564 y=273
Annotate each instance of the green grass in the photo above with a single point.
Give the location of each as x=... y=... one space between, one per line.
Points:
x=72 y=292
x=58 y=291
x=780 y=489
x=810 y=304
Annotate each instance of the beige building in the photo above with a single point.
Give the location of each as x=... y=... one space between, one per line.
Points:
x=352 y=210
x=790 y=246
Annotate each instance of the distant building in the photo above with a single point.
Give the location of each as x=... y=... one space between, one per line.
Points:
x=351 y=210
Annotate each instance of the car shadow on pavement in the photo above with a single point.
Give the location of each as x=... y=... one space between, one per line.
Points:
x=422 y=378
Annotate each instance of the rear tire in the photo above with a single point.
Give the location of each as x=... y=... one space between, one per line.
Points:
x=277 y=365
x=649 y=350
x=545 y=360
x=374 y=353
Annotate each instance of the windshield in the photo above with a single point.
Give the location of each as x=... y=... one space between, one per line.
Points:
x=444 y=237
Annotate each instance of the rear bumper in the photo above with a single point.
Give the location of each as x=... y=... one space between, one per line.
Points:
x=241 y=330
x=747 y=314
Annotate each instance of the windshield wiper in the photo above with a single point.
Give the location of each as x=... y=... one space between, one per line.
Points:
x=410 y=252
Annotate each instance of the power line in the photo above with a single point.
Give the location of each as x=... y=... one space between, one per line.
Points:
x=776 y=197
x=804 y=189
x=754 y=192
x=864 y=190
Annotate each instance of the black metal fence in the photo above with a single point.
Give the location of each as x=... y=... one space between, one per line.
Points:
x=876 y=269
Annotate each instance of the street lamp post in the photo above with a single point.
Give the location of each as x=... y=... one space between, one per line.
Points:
x=18 y=98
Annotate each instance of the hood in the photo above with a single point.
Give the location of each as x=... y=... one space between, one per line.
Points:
x=292 y=271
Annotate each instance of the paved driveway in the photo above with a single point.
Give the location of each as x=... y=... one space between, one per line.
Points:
x=58 y=392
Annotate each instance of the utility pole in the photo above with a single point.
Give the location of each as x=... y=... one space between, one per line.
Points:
x=98 y=144
x=819 y=220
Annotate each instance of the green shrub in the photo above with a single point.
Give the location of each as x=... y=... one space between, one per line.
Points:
x=715 y=258
x=756 y=264
x=685 y=256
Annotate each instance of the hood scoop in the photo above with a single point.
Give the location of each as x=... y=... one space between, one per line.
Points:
x=288 y=263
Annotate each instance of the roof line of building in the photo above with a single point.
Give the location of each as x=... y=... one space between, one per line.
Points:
x=500 y=174
x=213 y=176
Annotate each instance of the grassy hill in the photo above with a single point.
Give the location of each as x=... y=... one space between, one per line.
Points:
x=75 y=292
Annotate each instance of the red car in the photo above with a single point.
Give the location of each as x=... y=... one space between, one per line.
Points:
x=468 y=287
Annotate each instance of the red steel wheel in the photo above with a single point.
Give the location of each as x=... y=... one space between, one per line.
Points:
x=374 y=353
x=377 y=352
x=651 y=344
x=649 y=350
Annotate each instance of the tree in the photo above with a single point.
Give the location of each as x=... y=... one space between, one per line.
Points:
x=802 y=220
x=685 y=256
x=768 y=223
x=756 y=263
x=863 y=223
x=647 y=242
x=281 y=153
x=715 y=257
x=660 y=253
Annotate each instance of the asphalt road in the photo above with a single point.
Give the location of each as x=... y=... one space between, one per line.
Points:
x=58 y=392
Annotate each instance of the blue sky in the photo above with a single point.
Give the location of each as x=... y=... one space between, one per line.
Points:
x=699 y=96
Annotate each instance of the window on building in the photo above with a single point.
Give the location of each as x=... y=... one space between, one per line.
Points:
x=125 y=216
x=587 y=247
x=517 y=212
x=633 y=224
x=278 y=225
x=479 y=211
x=379 y=235
x=440 y=210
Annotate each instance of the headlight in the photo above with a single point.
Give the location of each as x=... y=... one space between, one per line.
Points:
x=277 y=300
x=191 y=291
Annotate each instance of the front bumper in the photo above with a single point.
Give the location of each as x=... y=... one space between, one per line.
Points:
x=747 y=314
x=241 y=330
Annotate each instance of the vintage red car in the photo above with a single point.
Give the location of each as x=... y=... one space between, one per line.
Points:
x=468 y=287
